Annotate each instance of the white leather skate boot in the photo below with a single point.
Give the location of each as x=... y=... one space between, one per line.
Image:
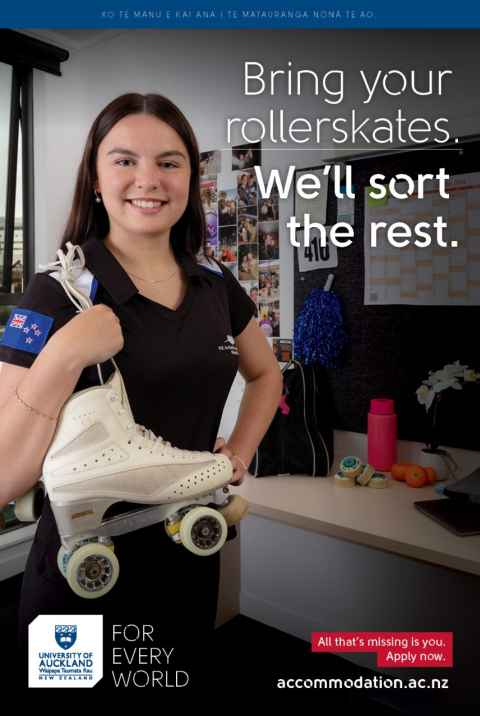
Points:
x=100 y=456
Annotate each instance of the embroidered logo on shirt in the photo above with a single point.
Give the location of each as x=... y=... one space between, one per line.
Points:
x=27 y=330
x=229 y=346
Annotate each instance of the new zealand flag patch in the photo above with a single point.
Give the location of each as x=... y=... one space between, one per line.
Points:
x=27 y=330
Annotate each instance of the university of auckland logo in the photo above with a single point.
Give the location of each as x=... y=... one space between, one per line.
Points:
x=65 y=635
x=229 y=346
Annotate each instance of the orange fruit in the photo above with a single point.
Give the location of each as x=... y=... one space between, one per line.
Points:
x=398 y=470
x=431 y=475
x=415 y=476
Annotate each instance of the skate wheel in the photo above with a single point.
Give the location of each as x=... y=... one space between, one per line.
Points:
x=110 y=545
x=203 y=531
x=235 y=510
x=28 y=507
x=63 y=556
x=173 y=529
x=92 y=570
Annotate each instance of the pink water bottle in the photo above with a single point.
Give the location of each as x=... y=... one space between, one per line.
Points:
x=382 y=434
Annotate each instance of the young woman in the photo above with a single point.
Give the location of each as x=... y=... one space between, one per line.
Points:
x=137 y=215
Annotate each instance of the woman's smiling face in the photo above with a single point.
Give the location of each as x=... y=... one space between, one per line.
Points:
x=143 y=176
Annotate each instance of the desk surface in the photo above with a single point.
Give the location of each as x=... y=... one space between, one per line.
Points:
x=384 y=519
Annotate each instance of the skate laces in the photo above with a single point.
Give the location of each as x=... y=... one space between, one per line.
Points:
x=156 y=441
x=150 y=436
x=69 y=269
x=141 y=431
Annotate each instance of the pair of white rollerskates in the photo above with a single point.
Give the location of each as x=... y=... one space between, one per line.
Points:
x=99 y=456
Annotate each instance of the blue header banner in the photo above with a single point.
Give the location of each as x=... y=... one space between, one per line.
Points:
x=203 y=14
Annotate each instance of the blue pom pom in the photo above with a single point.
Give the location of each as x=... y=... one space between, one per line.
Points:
x=319 y=335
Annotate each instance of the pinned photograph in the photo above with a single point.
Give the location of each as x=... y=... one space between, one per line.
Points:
x=210 y=163
x=228 y=244
x=208 y=195
x=246 y=156
x=233 y=267
x=283 y=349
x=227 y=207
x=268 y=243
x=268 y=208
x=211 y=219
x=212 y=249
x=269 y=318
x=269 y=282
x=251 y=289
x=248 y=262
x=247 y=228
x=247 y=189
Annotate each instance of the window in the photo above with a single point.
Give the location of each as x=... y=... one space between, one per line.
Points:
x=20 y=56
x=14 y=240
x=5 y=88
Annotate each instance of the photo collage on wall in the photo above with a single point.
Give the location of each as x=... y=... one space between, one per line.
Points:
x=243 y=234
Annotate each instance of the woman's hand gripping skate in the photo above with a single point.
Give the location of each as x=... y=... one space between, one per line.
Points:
x=239 y=468
x=93 y=336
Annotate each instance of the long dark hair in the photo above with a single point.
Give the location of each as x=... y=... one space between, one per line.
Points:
x=89 y=218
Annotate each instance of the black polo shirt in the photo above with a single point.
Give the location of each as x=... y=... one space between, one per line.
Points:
x=178 y=365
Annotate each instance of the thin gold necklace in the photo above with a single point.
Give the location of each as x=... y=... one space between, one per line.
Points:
x=161 y=280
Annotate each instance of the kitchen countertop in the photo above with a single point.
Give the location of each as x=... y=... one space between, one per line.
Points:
x=380 y=518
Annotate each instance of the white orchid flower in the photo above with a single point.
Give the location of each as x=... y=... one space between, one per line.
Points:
x=447 y=383
x=425 y=396
x=422 y=393
x=450 y=376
